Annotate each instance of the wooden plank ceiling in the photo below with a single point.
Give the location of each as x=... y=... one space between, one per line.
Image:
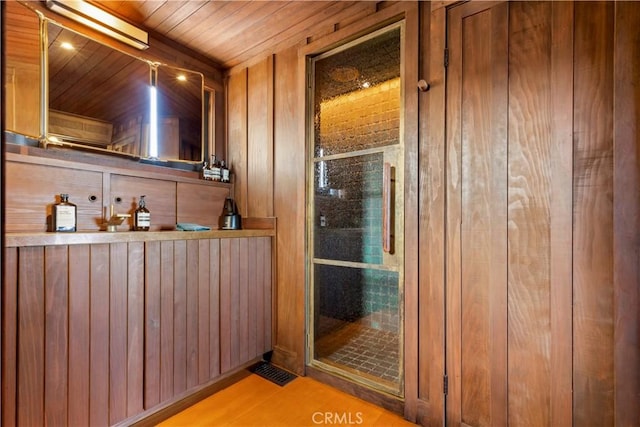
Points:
x=233 y=32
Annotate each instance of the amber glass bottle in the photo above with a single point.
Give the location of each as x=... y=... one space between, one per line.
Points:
x=142 y=216
x=65 y=215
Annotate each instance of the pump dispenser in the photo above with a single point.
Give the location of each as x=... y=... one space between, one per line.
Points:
x=142 y=217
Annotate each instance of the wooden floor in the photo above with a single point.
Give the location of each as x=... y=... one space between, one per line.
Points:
x=255 y=401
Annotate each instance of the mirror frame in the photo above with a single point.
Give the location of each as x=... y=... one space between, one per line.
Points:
x=47 y=139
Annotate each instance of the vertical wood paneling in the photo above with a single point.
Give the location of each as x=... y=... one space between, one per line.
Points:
x=9 y=336
x=193 y=274
x=214 y=307
x=106 y=330
x=453 y=216
x=430 y=301
x=289 y=207
x=79 y=334
x=234 y=301
x=135 y=328
x=483 y=228
x=204 y=310
x=530 y=117
x=56 y=334
x=268 y=289
x=260 y=139
x=410 y=287
x=118 y=334
x=561 y=212
x=99 y=330
x=152 y=335
x=626 y=213
x=244 y=261
x=179 y=316
x=225 y=305
x=166 y=320
x=31 y=333
x=256 y=299
x=237 y=136
x=593 y=320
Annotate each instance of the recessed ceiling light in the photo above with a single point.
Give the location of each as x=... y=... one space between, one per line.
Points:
x=66 y=45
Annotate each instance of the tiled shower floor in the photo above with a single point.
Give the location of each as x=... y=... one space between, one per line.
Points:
x=359 y=349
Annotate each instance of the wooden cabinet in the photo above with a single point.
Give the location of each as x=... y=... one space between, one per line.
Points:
x=32 y=189
x=95 y=334
x=160 y=197
x=33 y=183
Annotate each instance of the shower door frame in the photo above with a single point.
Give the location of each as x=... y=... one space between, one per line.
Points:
x=393 y=154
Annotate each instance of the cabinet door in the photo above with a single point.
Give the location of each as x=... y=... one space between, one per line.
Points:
x=32 y=190
x=200 y=203
x=159 y=195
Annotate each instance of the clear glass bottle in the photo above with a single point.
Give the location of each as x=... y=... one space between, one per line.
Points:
x=142 y=216
x=215 y=169
x=224 y=172
x=64 y=215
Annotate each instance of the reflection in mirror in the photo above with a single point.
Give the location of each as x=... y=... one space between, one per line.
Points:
x=179 y=114
x=99 y=98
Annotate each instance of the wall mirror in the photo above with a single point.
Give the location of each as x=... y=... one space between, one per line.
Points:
x=100 y=98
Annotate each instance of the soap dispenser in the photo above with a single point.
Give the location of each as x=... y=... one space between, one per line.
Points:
x=142 y=216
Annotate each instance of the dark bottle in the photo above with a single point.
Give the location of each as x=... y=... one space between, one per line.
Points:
x=64 y=215
x=142 y=217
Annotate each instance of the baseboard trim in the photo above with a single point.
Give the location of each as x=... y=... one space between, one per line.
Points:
x=170 y=408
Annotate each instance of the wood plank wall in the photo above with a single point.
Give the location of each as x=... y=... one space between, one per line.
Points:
x=96 y=334
x=538 y=165
x=562 y=213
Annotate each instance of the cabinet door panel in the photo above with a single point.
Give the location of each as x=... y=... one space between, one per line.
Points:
x=200 y=203
x=34 y=190
x=160 y=198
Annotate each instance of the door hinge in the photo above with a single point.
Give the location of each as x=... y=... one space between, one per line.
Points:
x=445 y=385
x=446 y=57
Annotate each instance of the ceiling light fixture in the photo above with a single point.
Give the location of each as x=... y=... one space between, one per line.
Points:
x=100 y=20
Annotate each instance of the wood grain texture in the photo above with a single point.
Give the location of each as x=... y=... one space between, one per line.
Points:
x=237 y=137
x=410 y=287
x=56 y=369
x=200 y=204
x=109 y=332
x=561 y=213
x=626 y=213
x=431 y=223
x=79 y=334
x=152 y=322
x=289 y=208
x=593 y=315
x=31 y=332
x=9 y=336
x=216 y=310
x=135 y=327
x=530 y=189
x=260 y=139
x=117 y=305
x=160 y=199
x=99 y=331
x=32 y=193
x=483 y=228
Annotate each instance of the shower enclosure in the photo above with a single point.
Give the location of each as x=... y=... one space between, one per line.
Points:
x=355 y=226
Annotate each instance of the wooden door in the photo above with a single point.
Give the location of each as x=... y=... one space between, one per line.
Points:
x=509 y=196
x=542 y=214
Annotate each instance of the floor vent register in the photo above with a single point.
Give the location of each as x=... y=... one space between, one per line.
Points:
x=274 y=374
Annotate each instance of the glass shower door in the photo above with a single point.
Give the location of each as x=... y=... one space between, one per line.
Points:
x=355 y=222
